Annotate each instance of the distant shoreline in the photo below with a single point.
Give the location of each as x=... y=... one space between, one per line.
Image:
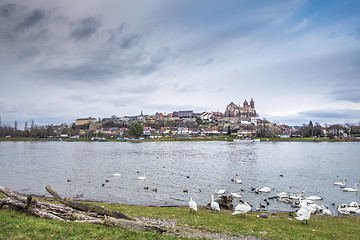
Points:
x=179 y=139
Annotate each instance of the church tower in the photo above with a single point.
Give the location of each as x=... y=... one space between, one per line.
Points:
x=246 y=104
x=252 y=103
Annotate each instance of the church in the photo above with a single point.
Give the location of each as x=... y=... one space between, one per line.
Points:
x=244 y=114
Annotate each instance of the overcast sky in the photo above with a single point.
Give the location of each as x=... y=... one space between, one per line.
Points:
x=61 y=60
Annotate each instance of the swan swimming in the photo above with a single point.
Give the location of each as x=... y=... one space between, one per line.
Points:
x=312 y=198
x=116 y=174
x=192 y=205
x=222 y=191
x=143 y=177
x=281 y=194
x=214 y=205
x=236 y=195
x=239 y=181
x=341 y=184
x=265 y=189
x=351 y=189
x=242 y=209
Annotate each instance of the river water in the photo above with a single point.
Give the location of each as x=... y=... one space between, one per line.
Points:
x=86 y=170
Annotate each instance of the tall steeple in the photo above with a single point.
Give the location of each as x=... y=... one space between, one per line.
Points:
x=246 y=104
x=252 y=103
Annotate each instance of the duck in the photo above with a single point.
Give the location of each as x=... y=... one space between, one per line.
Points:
x=192 y=205
x=351 y=189
x=341 y=184
x=236 y=195
x=242 y=209
x=312 y=198
x=222 y=191
x=303 y=215
x=214 y=205
x=143 y=177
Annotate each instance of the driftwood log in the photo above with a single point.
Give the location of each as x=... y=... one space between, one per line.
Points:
x=225 y=202
x=70 y=210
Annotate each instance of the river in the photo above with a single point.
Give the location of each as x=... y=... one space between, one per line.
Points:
x=176 y=171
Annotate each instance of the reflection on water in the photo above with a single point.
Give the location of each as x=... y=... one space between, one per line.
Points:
x=180 y=170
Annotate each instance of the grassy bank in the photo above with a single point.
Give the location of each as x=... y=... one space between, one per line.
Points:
x=19 y=225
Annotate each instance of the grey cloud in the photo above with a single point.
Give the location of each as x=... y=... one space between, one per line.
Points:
x=333 y=35
x=81 y=73
x=332 y=114
x=7 y=10
x=356 y=33
x=31 y=19
x=85 y=28
x=348 y=94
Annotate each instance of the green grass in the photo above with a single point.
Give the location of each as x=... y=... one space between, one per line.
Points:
x=20 y=225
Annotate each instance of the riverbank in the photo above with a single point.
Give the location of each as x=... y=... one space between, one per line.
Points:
x=181 y=223
x=179 y=139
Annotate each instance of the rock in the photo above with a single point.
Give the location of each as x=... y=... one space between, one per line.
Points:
x=263 y=215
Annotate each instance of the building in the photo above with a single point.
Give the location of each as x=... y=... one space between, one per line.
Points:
x=84 y=121
x=246 y=111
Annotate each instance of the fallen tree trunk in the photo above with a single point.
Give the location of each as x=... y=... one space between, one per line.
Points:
x=70 y=210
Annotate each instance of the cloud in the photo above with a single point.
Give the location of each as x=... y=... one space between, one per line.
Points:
x=331 y=114
x=356 y=33
x=298 y=27
x=31 y=19
x=85 y=28
x=348 y=94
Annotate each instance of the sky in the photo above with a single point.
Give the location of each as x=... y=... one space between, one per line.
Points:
x=62 y=60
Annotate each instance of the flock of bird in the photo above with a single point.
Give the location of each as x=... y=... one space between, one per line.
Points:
x=306 y=204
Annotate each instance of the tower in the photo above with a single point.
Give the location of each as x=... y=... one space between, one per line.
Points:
x=252 y=103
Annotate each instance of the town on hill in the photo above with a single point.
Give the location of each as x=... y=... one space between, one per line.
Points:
x=237 y=121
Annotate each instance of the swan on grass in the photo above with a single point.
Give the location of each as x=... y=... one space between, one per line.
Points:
x=325 y=210
x=303 y=215
x=242 y=209
x=192 y=205
x=341 y=184
x=143 y=177
x=352 y=189
x=214 y=205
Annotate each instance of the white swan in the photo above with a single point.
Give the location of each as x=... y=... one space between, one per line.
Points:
x=236 y=195
x=239 y=181
x=142 y=178
x=214 y=205
x=351 y=189
x=303 y=215
x=312 y=198
x=343 y=209
x=222 y=191
x=295 y=196
x=353 y=207
x=116 y=174
x=265 y=189
x=192 y=205
x=281 y=194
x=341 y=184
x=325 y=210
x=242 y=209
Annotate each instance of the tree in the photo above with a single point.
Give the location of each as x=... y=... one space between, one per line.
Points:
x=136 y=130
x=229 y=131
